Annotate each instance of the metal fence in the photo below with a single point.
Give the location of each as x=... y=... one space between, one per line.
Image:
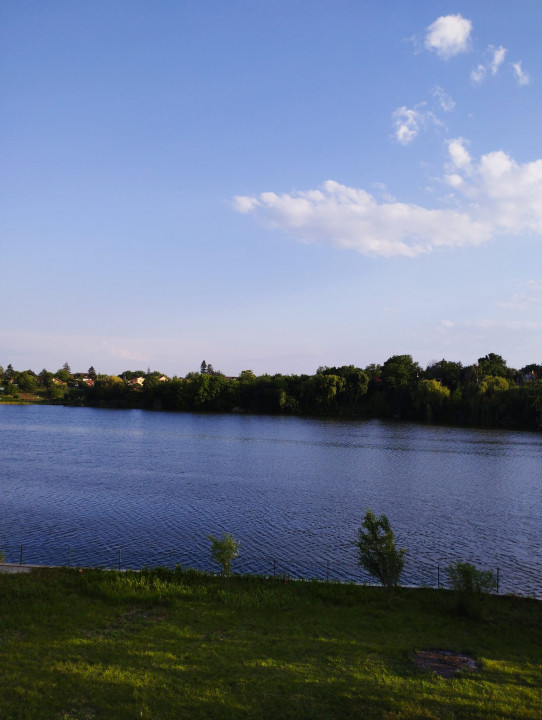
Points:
x=114 y=558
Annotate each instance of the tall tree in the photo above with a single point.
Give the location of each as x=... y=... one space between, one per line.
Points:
x=493 y=364
x=446 y=372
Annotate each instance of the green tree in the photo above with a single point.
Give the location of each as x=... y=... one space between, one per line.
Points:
x=320 y=391
x=492 y=384
x=430 y=397
x=377 y=552
x=28 y=382
x=400 y=375
x=357 y=384
x=224 y=550
x=446 y=372
x=493 y=364
x=64 y=373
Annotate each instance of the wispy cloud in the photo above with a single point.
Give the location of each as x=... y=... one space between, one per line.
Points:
x=522 y=78
x=528 y=298
x=478 y=75
x=494 y=59
x=409 y=122
x=494 y=196
x=498 y=55
x=445 y=101
x=449 y=35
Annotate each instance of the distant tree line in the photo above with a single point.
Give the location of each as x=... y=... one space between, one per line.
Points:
x=485 y=394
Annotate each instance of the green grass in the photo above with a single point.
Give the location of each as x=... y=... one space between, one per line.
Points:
x=161 y=644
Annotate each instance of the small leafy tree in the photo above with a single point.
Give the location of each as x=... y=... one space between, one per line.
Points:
x=377 y=552
x=224 y=550
x=470 y=586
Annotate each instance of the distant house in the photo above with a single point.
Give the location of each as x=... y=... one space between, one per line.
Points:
x=137 y=381
x=163 y=378
x=88 y=381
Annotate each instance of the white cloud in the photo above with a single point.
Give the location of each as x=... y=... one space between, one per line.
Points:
x=478 y=75
x=244 y=204
x=351 y=218
x=522 y=77
x=454 y=180
x=494 y=196
x=445 y=101
x=497 y=59
x=448 y=36
x=459 y=156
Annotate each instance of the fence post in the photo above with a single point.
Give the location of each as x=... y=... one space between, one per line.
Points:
x=69 y=555
x=274 y=567
x=497 y=581
x=21 y=556
x=120 y=555
x=438 y=576
x=170 y=566
x=327 y=571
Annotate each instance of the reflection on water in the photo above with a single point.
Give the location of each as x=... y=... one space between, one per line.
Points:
x=293 y=490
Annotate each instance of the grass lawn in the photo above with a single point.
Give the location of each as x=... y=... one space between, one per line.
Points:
x=172 y=644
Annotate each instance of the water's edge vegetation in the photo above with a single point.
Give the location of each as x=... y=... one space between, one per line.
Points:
x=485 y=394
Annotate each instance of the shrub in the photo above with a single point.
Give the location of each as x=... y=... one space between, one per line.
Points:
x=224 y=550
x=377 y=552
x=470 y=585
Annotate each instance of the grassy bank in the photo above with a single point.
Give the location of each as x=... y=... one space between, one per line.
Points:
x=162 y=644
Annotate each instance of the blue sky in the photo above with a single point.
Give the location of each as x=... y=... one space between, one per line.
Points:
x=269 y=185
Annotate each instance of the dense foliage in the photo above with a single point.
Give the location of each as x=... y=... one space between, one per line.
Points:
x=485 y=394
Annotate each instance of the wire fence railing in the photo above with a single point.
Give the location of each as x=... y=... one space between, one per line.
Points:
x=117 y=557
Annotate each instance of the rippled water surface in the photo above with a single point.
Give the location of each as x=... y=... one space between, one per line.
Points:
x=79 y=484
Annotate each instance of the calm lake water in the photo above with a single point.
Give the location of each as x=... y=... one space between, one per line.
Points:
x=81 y=483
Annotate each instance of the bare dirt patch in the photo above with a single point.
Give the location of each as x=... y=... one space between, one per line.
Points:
x=444 y=662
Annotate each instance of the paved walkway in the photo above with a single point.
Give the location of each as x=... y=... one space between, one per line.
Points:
x=13 y=568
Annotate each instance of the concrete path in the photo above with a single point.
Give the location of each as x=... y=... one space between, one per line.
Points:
x=13 y=568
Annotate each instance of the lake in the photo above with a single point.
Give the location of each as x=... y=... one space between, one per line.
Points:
x=80 y=484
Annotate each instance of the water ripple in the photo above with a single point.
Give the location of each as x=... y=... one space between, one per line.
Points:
x=80 y=485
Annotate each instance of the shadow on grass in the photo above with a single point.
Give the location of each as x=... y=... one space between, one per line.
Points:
x=159 y=644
